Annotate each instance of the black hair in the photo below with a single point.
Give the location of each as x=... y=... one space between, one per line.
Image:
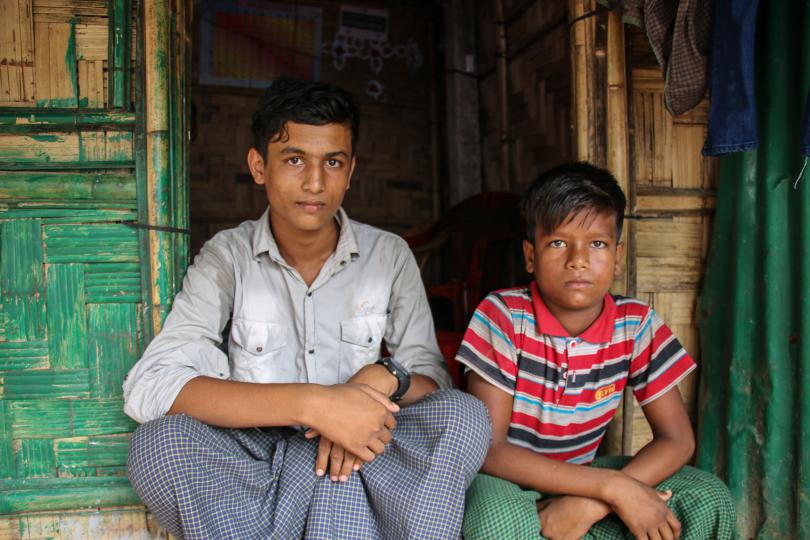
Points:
x=303 y=102
x=568 y=188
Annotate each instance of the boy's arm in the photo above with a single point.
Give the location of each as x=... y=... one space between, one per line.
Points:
x=673 y=441
x=641 y=508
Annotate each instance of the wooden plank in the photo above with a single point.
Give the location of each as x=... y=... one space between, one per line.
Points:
x=113 y=282
x=91 y=41
x=90 y=243
x=88 y=453
x=52 y=147
x=27 y=55
x=42 y=54
x=45 y=384
x=67 y=318
x=38 y=495
x=7 y=465
x=100 y=417
x=67 y=186
x=675 y=308
x=113 y=343
x=662 y=138
x=116 y=524
x=651 y=204
x=22 y=279
x=91 y=83
x=663 y=238
x=687 y=171
x=62 y=67
x=40 y=419
x=119 y=145
x=36 y=459
x=672 y=273
x=26 y=120
x=10 y=69
x=21 y=355
x=70 y=212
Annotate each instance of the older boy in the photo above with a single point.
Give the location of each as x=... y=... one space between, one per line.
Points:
x=550 y=361
x=313 y=297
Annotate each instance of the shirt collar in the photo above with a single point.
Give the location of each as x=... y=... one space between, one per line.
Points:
x=600 y=331
x=264 y=241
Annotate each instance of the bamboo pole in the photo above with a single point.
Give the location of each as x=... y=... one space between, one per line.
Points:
x=502 y=67
x=618 y=164
x=158 y=178
x=583 y=33
x=120 y=15
x=435 y=173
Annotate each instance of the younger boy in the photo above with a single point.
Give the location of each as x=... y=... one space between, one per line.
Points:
x=551 y=360
x=312 y=297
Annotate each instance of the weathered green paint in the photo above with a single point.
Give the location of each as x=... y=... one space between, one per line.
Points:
x=755 y=303
x=64 y=148
x=67 y=320
x=90 y=243
x=33 y=165
x=66 y=186
x=67 y=212
x=113 y=346
x=21 y=355
x=40 y=419
x=100 y=417
x=36 y=459
x=7 y=468
x=33 y=120
x=65 y=494
x=91 y=452
x=71 y=64
x=119 y=53
x=45 y=384
x=113 y=282
x=22 y=279
x=57 y=418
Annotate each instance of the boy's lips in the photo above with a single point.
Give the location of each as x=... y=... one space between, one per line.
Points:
x=311 y=206
x=578 y=284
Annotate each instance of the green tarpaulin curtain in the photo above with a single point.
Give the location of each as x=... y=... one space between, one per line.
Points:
x=754 y=310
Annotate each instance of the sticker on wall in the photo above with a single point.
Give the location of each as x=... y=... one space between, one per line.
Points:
x=375 y=89
x=364 y=23
x=375 y=52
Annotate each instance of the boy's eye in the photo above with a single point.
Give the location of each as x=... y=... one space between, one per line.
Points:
x=333 y=162
x=557 y=243
x=599 y=244
x=295 y=160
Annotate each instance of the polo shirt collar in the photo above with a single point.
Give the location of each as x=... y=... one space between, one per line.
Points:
x=600 y=331
x=264 y=242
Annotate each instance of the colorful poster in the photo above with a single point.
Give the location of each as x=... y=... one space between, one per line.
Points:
x=250 y=43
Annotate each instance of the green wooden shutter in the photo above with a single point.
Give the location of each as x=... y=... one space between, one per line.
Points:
x=91 y=238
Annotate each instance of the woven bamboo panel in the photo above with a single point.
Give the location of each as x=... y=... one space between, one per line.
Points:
x=123 y=524
x=54 y=53
x=674 y=202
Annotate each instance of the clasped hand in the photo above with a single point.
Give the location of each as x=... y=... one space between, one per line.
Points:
x=356 y=425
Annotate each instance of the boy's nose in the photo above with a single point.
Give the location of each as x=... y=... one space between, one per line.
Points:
x=578 y=258
x=314 y=181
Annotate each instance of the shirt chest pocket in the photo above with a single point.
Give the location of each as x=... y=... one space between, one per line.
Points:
x=360 y=342
x=257 y=352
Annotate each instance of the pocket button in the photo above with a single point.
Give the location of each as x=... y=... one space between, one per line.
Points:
x=258 y=349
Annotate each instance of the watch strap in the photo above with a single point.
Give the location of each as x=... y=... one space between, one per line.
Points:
x=402 y=375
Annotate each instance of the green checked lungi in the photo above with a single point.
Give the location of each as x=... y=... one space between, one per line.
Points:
x=500 y=510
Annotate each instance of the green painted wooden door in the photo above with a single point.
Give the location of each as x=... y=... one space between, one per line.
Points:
x=76 y=216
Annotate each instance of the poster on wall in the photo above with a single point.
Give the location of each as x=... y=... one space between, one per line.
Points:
x=250 y=43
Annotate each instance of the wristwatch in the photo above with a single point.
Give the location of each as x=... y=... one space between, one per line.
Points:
x=402 y=375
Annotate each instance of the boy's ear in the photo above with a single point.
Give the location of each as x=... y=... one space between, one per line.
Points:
x=255 y=163
x=528 y=256
x=619 y=264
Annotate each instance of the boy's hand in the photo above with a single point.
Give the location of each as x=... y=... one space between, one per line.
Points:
x=377 y=377
x=354 y=422
x=644 y=510
x=569 y=517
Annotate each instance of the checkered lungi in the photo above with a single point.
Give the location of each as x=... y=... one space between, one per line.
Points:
x=497 y=509
x=206 y=482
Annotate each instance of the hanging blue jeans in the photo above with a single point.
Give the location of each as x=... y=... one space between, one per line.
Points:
x=733 y=110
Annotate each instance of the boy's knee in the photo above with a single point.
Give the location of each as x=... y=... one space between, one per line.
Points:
x=465 y=422
x=156 y=445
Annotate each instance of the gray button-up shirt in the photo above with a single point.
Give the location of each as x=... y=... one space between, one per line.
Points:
x=368 y=291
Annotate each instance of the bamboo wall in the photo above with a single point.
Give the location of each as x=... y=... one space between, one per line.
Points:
x=538 y=91
x=393 y=183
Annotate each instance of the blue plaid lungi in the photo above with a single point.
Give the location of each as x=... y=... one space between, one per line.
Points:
x=207 y=482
